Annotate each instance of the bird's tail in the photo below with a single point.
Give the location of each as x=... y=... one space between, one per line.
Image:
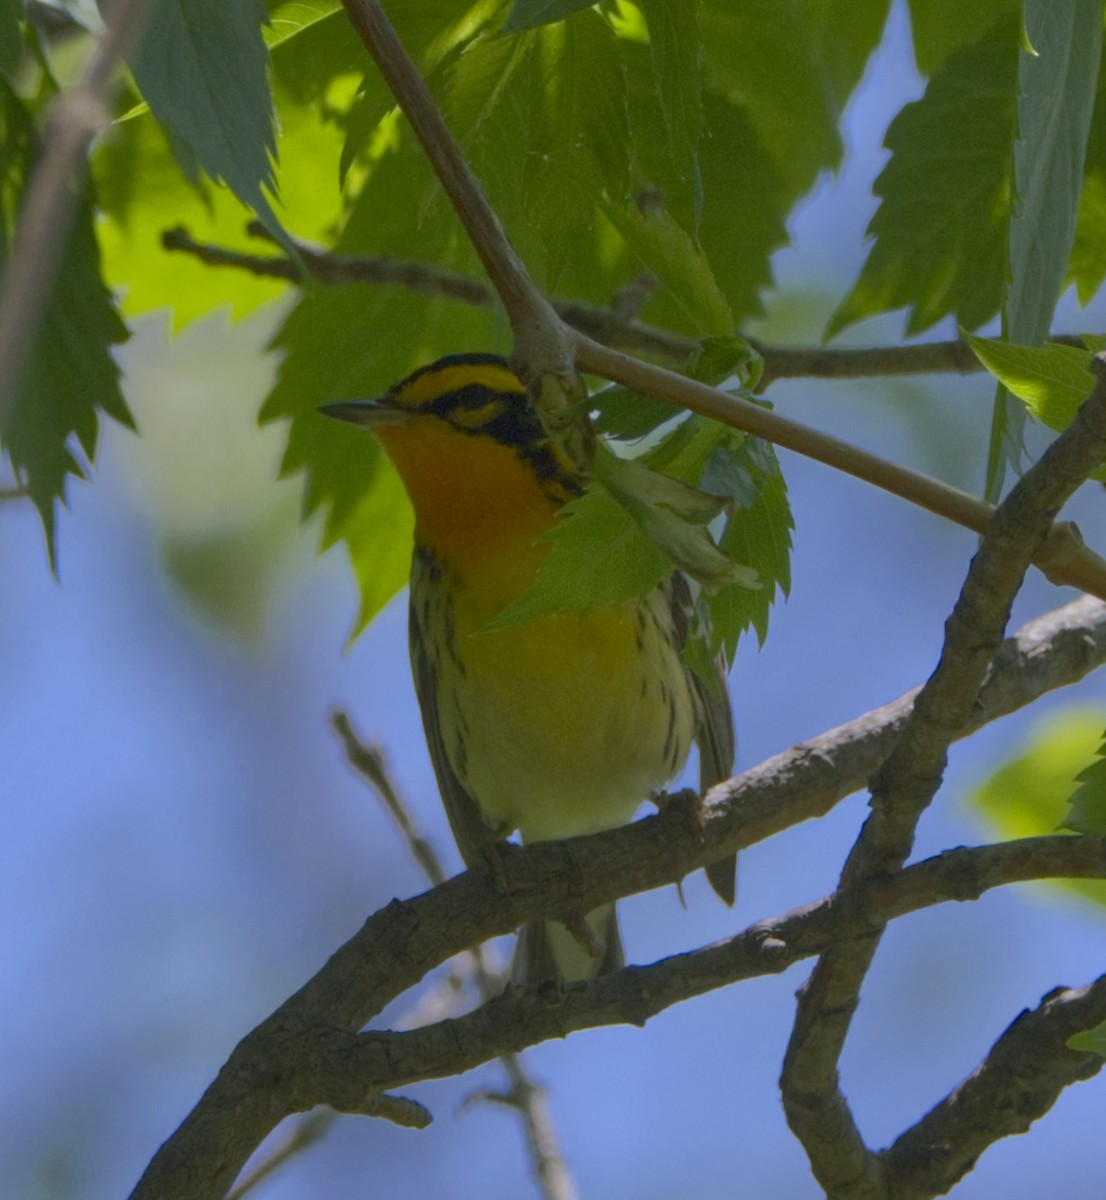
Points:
x=546 y=950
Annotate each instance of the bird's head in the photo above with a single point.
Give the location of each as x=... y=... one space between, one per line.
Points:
x=474 y=457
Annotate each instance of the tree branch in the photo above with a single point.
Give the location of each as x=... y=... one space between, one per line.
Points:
x=541 y=343
x=606 y=325
x=1062 y=556
x=1016 y=1084
x=340 y=1064
x=816 y=1108
x=51 y=195
x=398 y=945
x=523 y=1094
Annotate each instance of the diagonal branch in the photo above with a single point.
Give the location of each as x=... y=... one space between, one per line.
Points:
x=1016 y=1084
x=338 y=1065
x=51 y=195
x=1061 y=556
x=1064 y=559
x=398 y=945
x=816 y=1108
x=525 y=1096
x=541 y=342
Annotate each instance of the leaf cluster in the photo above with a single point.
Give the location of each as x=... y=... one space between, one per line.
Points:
x=613 y=139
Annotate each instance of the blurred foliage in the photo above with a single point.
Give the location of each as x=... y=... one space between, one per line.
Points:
x=1031 y=793
x=1088 y=801
x=1051 y=381
x=202 y=474
x=610 y=137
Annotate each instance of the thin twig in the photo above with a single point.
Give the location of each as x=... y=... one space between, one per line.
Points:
x=308 y=1132
x=334 y=269
x=523 y=1095
x=262 y=1081
x=368 y=761
x=1062 y=556
x=611 y=326
x=541 y=344
x=816 y=1108
x=42 y=229
x=14 y=493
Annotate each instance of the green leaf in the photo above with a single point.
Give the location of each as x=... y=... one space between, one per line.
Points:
x=683 y=453
x=527 y=14
x=135 y=217
x=311 y=47
x=1056 y=92
x=942 y=26
x=1030 y=794
x=543 y=119
x=675 y=45
x=289 y=18
x=941 y=226
x=667 y=250
x=672 y=513
x=790 y=67
x=579 y=131
x=1052 y=381
x=757 y=533
x=1087 y=268
x=721 y=357
x=346 y=343
x=201 y=67
x=593 y=529
x=1088 y=801
x=676 y=215
x=11 y=34
x=743 y=470
x=1093 y=1040
x=628 y=415
x=1056 y=85
x=739 y=177
x=70 y=377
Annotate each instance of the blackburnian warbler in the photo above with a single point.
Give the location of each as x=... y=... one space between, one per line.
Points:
x=562 y=724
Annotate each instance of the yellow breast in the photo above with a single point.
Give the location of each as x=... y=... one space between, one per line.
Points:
x=564 y=724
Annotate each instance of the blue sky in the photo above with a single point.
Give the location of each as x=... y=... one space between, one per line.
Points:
x=185 y=845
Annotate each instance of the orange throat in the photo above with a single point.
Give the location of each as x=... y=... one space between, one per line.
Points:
x=478 y=504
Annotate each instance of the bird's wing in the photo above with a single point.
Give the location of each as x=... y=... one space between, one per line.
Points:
x=714 y=733
x=471 y=831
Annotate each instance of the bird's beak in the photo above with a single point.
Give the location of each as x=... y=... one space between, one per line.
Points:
x=374 y=414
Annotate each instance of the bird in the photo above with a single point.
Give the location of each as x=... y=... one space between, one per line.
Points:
x=565 y=723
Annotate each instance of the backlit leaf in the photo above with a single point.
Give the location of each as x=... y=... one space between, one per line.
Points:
x=940 y=231
x=1056 y=91
x=1030 y=794
x=70 y=379
x=201 y=67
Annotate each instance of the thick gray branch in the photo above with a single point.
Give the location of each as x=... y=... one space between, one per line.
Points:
x=816 y=1108
x=1016 y=1084
x=398 y=945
